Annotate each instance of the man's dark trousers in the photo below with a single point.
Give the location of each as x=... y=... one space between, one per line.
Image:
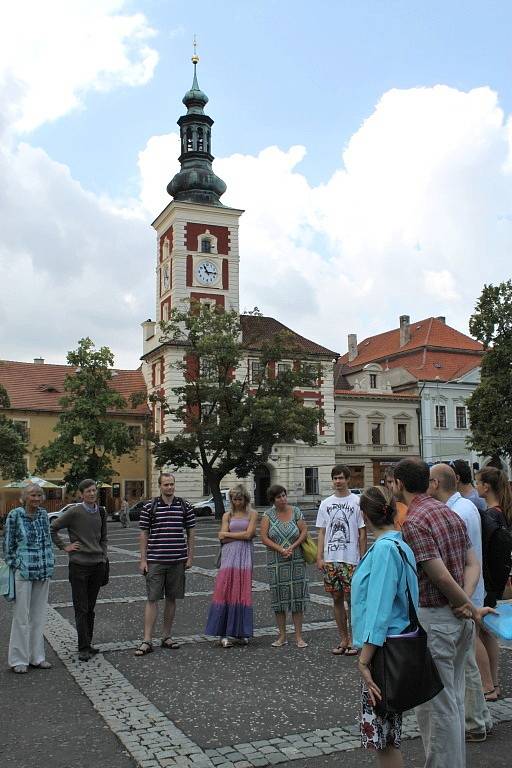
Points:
x=85 y=581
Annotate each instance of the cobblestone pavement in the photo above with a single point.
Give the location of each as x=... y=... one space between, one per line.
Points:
x=201 y=706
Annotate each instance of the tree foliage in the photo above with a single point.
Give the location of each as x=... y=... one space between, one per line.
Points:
x=88 y=436
x=490 y=405
x=227 y=423
x=13 y=444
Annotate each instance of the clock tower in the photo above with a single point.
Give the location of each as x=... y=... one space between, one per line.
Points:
x=197 y=259
x=197 y=236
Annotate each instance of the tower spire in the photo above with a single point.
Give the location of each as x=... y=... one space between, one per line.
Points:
x=196 y=182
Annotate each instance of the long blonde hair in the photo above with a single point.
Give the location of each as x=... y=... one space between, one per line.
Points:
x=239 y=490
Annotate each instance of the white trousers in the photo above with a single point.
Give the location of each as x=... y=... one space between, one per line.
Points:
x=26 y=645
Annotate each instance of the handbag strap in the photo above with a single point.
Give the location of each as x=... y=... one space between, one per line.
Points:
x=413 y=616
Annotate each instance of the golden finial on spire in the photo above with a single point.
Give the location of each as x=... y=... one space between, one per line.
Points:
x=195 y=57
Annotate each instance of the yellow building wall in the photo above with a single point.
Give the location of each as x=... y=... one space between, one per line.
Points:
x=133 y=470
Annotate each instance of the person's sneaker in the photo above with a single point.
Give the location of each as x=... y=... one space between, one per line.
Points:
x=93 y=651
x=476 y=736
x=19 y=669
x=84 y=656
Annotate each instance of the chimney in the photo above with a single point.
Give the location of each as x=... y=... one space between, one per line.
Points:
x=38 y=360
x=352 y=346
x=441 y=318
x=405 y=330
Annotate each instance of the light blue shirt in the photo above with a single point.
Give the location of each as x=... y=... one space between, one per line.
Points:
x=470 y=516
x=379 y=599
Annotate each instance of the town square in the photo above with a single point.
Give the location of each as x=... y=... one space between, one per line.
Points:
x=255 y=384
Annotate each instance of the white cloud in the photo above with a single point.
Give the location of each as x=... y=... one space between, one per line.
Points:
x=53 y=52
x=414 y=222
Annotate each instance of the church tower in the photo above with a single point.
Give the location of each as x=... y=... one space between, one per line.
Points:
x=197 y=255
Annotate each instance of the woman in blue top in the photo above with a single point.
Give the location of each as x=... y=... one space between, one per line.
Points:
x=380 y=608
x=28 y=550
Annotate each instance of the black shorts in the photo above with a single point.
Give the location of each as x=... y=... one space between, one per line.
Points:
x=165 y=579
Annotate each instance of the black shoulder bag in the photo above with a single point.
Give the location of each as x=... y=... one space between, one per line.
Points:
x=403 y=667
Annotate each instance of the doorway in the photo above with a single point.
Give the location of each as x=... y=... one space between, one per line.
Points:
x=261 y=485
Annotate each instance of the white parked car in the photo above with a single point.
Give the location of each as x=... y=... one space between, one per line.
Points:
x=206 y=507
x=55 y=515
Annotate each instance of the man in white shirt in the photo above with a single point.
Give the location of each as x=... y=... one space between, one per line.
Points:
x=443 y=487
x=341 y=544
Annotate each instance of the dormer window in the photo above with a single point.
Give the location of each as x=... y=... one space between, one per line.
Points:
x=206 y=245
x=373 y=381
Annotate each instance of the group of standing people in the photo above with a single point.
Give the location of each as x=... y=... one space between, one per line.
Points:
x=438 y=550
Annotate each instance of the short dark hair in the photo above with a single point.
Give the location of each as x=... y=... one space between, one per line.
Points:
x=341 y=469
x=378 y=505
x=165 y=474
x=86 y=484
x=414 y=474
x=275 y=490
x=463 y=470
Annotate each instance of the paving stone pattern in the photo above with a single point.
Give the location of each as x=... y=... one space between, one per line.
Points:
x=151 y=738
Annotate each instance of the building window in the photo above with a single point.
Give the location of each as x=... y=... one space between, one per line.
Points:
x=461 y=418
x=135 y=432
x=402 y=434
x=158 y=419
x=283 y=368
x=311 y=480
x=440 y=416
x=206 y=245
x=134 y=490
x=349 y=432
x=208 y=368
x=257 y=372
x=310 y=372
x=23 y=427
x=376 y=437
x=373 y=381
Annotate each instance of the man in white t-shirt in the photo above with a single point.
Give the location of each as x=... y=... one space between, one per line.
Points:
x=443 y=487
x=341 y=544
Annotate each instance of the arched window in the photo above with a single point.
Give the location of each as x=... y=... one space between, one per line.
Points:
x=189 y=139
x=200 y=140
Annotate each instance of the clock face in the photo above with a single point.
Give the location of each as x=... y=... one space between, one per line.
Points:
x=207 y=272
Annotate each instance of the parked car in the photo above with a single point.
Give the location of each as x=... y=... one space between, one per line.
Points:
x=358 y=491
x=206 y=507
x=135 y=509
x=55 y=515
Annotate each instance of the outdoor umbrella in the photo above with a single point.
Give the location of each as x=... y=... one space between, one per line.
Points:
x=32 y=480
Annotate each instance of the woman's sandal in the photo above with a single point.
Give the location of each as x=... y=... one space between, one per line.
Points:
x=143 y=649
x=340 y=650
x=279 y=643
x=491 y=695
x=169 y=643
x=351 y=651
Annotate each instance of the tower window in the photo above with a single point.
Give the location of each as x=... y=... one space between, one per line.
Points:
x=189 y=140
x=200 y=141
x=206 y=245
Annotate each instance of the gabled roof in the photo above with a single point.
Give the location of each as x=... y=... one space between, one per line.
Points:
x=257 y=329
x=434 y=351
x=40 y=386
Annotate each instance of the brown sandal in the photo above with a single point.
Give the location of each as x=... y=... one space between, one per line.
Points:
x=143 y=649
x=169 y=643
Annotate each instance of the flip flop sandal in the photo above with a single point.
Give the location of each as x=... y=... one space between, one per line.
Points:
x=340 y=650
x=491 y=695
x=169 y=643
x=143 y=649
x=350 y=651
x=279 y=643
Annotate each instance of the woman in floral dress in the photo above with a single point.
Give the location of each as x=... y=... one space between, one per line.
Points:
x=380 y=608
x=283 y=529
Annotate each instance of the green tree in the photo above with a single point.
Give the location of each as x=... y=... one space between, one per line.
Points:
x=88 y=435
x=227 y=422
x=13 y=444
x=490 y=405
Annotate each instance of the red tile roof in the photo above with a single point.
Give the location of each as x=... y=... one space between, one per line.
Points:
x=435 y=350
x=39 y=386
x=257 y=329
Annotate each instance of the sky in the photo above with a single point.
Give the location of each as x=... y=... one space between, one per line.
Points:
x=369 y=143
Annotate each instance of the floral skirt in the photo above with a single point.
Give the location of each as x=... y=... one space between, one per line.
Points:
x=378 y=730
